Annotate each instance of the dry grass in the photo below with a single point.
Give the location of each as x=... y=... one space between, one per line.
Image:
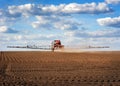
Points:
x=60 y=69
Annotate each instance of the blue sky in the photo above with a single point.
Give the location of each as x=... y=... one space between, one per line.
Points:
x=74 y=22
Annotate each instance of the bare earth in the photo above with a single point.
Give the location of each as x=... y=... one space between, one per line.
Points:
x=59 y=69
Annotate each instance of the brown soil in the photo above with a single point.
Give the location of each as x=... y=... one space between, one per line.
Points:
x=59 y=69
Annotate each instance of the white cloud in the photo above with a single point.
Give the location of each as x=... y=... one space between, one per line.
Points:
x=56 y=22
x=73 y=8
x=113 y=1
x=43 y=21
x=105 y=33
x=62 y=26
x=90 y=8
x=69 y=33
x=108 y=21
x=3 y=28
x=47 y=15
x=36 y=24
x=97 y=37
x=103 y=41
x=10 y=37
x=53 y=8
x=83 y=42
x=21 y=10
x=67 y=24
x=18 y=37
x=2 y=21
x=93 y=34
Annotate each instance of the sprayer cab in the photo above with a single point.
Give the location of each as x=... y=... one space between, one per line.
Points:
x=56 y=44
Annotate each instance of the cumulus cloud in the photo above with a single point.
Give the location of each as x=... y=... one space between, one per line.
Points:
x=108 y=21
x=47 y=14
x=43 y=22
x=10 y=37
x=38 y=24
x=113 y=1
x=89 y=40
x=105 y=33
x=67 y=25
x=42 y=37
x=94 y=34
x=5 y=29
x=24 y=10
x=56 y=22
x=73 y=8
x=103 y=41
x=7 y=20
x=89 y=8
x=18 y=37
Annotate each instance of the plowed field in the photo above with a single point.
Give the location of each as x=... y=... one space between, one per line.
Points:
x=59 y=69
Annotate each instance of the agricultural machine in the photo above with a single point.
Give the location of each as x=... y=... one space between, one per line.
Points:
x=56 y=44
